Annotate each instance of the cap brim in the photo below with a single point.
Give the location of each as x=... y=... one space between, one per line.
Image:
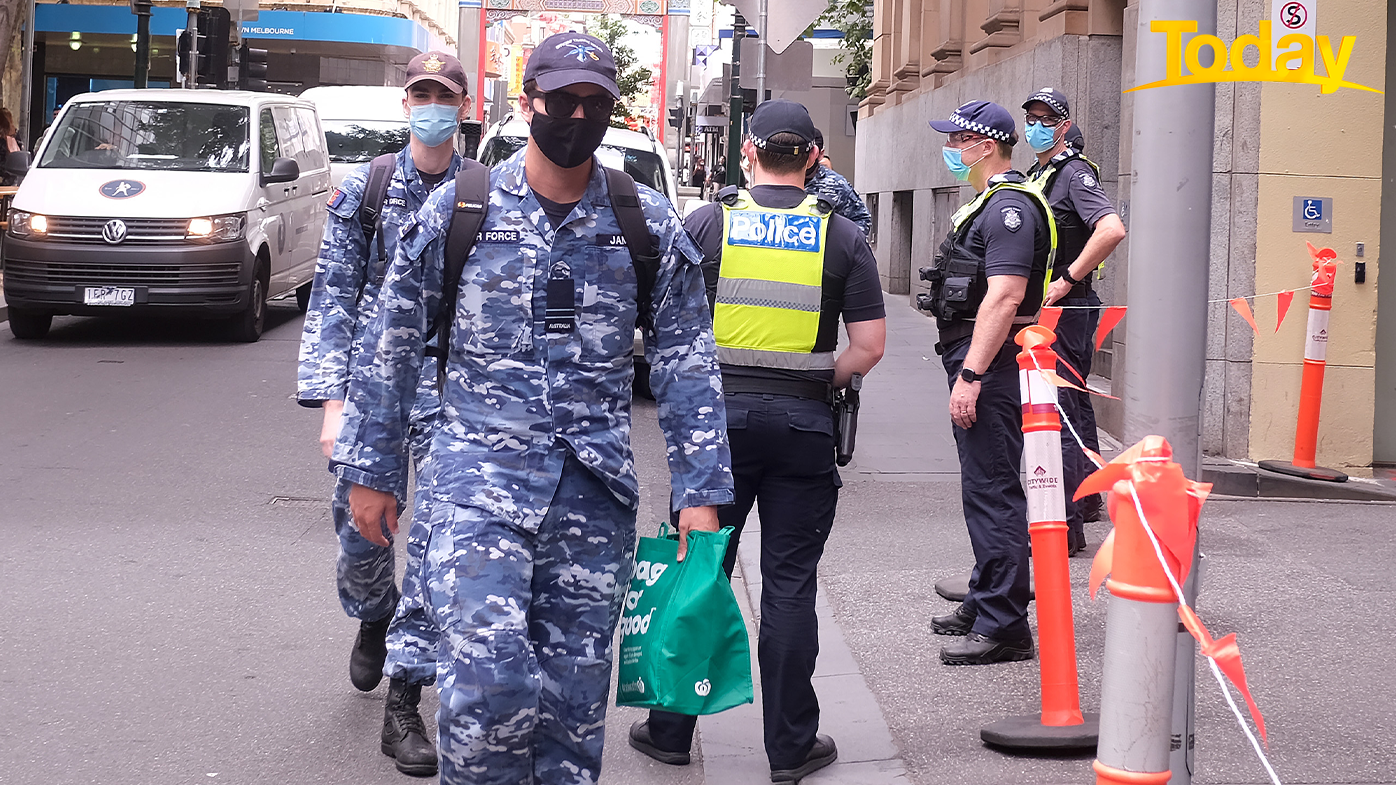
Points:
x=556 y=80
x=946 y=126
x=454 y=86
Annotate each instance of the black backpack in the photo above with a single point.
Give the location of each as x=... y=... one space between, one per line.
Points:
x=472 y=202
x=380 y=176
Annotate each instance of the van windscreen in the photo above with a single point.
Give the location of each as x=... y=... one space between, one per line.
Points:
x=191 y=137
x=357 y=141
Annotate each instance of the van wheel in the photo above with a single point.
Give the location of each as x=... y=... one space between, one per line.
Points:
x=27 y=325
x=303 y=296
x=247 y=326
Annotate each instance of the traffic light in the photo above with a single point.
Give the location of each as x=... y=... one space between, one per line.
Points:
x=676 y=116
x=252 y=68
x=182 y=51
x=210 y=40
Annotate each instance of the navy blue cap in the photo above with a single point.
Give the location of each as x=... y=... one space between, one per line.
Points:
x=1075 y=139
x=985 y=118
x=780 y=116
x=571 y=58
x=1054 y=98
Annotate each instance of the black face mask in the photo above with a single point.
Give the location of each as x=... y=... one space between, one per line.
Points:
x=568 y=142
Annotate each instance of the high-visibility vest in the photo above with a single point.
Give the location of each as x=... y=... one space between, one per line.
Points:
x=1071 y=229
x=958 y=278
x=770 y=285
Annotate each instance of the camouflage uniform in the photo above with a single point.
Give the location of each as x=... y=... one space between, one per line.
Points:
x=533 y=481
x=348 y=277
x=839 y=192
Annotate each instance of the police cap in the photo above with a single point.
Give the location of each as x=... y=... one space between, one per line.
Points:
x=571 y=58
x=1054 y=99
x=780 y=116
x=985 y=118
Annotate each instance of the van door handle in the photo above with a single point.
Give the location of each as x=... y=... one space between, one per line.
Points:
x=285 y=191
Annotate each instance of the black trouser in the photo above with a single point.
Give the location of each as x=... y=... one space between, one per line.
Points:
x=995 y=506
x=783 y=461
x=1076 y=345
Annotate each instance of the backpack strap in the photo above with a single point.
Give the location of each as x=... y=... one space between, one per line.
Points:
x=380 y=176
x=644 y=251
x=472 y=202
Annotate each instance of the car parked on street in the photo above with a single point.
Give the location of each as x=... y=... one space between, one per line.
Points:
x=360 y=123
x=175 y=202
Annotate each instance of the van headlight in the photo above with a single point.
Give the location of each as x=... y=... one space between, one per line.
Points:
x=218 y=228
x=24 y=224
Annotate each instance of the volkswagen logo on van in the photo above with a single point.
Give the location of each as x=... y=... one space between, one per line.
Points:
x=121 y=189
x=114 y=231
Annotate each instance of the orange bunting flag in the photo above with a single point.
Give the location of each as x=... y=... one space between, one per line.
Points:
x=1103 y=563
x=1057 y=380
x=1282 y=307
x=1108 y=320
x=1244 y=308
x=1049 y=317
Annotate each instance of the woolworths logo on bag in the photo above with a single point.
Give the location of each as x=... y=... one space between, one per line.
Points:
x=1291 y=58
x=702 y=688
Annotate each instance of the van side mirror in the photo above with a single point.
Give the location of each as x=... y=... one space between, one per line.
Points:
x=17 y=163
x=283 y=170
x=470 y=133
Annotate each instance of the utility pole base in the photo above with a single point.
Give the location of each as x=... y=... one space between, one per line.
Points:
x=1285 y=467
x=956 y=587
x=1028 y=734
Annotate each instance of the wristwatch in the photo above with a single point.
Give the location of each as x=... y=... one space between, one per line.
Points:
x=1066 y=276
x=970 y=376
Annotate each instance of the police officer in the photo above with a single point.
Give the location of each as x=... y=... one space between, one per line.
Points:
x=1088 y=229
x=353 y=258
x=782 y=269
x=533 y=487
x=987 y=283
x=820 y=180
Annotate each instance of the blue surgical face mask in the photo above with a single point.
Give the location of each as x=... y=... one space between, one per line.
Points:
x=433 y=124
x=954 y=161
x=1040 y=137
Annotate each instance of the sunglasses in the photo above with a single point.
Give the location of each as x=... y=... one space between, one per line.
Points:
x=1048 y=120
x=560 y=104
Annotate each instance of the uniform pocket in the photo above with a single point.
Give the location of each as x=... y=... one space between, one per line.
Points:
x=813 y=422
x=605 y=303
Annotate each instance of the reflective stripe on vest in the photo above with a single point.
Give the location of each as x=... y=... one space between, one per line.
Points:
x=976 y=205
x=770 y=285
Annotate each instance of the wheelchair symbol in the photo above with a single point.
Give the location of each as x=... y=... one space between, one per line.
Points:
x=1313 y=209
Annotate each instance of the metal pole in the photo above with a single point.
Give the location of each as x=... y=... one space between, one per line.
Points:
x=1169 y=248
x=734 y=105
x=192 y=77
x=762 y=19
x=27 y=73
x=142 y=45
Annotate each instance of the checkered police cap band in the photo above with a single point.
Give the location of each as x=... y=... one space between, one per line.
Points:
x=780 y=149
x=979 y=128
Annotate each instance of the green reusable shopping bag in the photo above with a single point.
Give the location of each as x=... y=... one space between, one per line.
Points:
x=683 y=643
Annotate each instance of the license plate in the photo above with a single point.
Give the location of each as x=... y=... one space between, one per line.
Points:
x=108 y=295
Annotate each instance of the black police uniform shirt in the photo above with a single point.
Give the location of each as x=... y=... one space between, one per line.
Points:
x=1077 y=189
x=851 y=285
x=1007 y=234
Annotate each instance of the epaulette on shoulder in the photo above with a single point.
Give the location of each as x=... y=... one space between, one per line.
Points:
x=728 y=195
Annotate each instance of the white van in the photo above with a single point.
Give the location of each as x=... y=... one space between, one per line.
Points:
x=360 y=124
x=178 y=202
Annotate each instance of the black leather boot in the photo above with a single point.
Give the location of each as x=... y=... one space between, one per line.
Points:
x=978 y=649
x=957 y=622
x=404 y=733
x=370 y=651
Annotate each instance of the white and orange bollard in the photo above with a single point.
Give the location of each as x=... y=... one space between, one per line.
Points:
x=1311 y=388
x=1061 y=724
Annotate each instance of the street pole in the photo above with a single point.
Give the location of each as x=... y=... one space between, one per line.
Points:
x=1169 y=247
x=762 y=20
x=27 y=73
x=734 y=104
x=142 y=11
x=192 y=77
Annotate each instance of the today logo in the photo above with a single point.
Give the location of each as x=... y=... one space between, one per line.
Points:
x=774 y=230
x=1183 y=66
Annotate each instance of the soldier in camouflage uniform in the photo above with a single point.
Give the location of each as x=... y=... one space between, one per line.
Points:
x=533 y=486
x=820 y=180
x=347 y=281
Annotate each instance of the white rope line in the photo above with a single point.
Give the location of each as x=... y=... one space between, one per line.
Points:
x=1177 y=590
x=1103 y=306
x=1216 y=671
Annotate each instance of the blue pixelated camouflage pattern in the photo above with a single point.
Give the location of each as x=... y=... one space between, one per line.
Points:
x=517 y=399
x=412 y=638
x=836 y=189
x=527 y=623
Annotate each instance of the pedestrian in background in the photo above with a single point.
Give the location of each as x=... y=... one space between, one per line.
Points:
x=700 y=175
x=820 y=180
x=778 y=299
x=1088 y=229
x=8 y=143
x=533 y=487
x=360 y=240
x=989 y=280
